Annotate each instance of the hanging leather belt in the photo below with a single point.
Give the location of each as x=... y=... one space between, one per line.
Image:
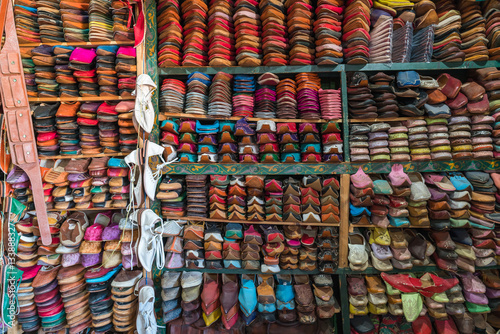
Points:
x=16 y=109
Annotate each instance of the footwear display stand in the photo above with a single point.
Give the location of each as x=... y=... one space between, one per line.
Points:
x=147 y=63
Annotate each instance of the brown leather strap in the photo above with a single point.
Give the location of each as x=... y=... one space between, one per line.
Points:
x=20 y=132
x=3 y=14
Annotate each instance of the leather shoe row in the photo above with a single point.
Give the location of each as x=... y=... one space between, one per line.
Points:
x=227 y=298
x=252 y=198
x=268 y=249
x=65 y=71
x=456 y=304
x=264 y=141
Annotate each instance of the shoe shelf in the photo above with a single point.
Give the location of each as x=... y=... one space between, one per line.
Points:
x=81 y=156
x=371 y=67
x=79 y=99
x=89 y=44
x=91 y=209
x=390 y=119
x=246 y=271
x=416 y=269
x=390 y=226
x=164 y=116
x=185 y=70
x=265 y=222
x=327 y=168
x=422 y=66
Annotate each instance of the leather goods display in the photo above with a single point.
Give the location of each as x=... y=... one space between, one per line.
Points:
x=17 y=114
x=310 y=199
x=265 y=96
x=249 y=142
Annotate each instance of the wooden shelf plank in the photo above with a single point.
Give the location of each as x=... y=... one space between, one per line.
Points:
x=89 y=44
x=164 y=116
x=267 y=222
x=81 y=156
x=79 y=99
x=391 y=119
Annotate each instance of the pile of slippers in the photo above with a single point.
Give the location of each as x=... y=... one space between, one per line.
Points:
x=26 y=16
x=248 y=33
x=274 y=33
x=221 y=51
x=170 y=35
x=195 y=48
x=328 y=32
x=300 y=27
x=356 y=32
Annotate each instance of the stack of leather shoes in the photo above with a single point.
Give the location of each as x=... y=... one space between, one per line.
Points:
x=119 y=185
x=358 y=142
x=251 y=247
x=360 y=96
x=272 y=248
x=291 y=200
x=122 y=15
x=82 y=62
x=358 y=300
x=383 y=95
x=221 y=51
x=44 y=60
x=26 y=18
x=327 y=32
x=195 y=41
x=310 y=143
x=75 y=297
x=173 y=196
x=311 y=188
x=289 y=258
x=101 y=23
x=326 y=304
x=243 y=95
x=361 y=197
x=28 y=315
x=490 y=13
x=308 y=252
x=266 y=297
x=472 y=32
x=171 y=293
x=398 y=143
x=381 y=32
x=67 y=83
x=267 y=141
x=218 y=196
x=98 y=170
x=488 y=78
x=125 y=301
x=273 y=191
x=330 y=195
x=88 y=127
x=108 y=128
x=75 y=20
x=169 y=136
x=191 y=283
x=265 y=96
x=236 y=200
x=248 y=29
x=172 y=96
x=219 y=101
x=105 y=69
x=308 y=85
x=48 y=299
x=126 y=129
x=49 y=21
x=170 y=35
x=287 y=98
x=29 y=71
x=207 y=150
x=188 y=140
x=328 y=249
x=231 y=253
x=447 y=41
x=490 y=280
x=213 y=246
x=274 y=33
x=418 y=139
x=289 y=142
x=378 y=142
x=44 y=121
x=126 y=69
x=356 y=35
x=247 y=147
x=300 y=28
x=304 y=300
x=98 y=281
x=196 y=195
x=210 y=302
x=229 y=301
